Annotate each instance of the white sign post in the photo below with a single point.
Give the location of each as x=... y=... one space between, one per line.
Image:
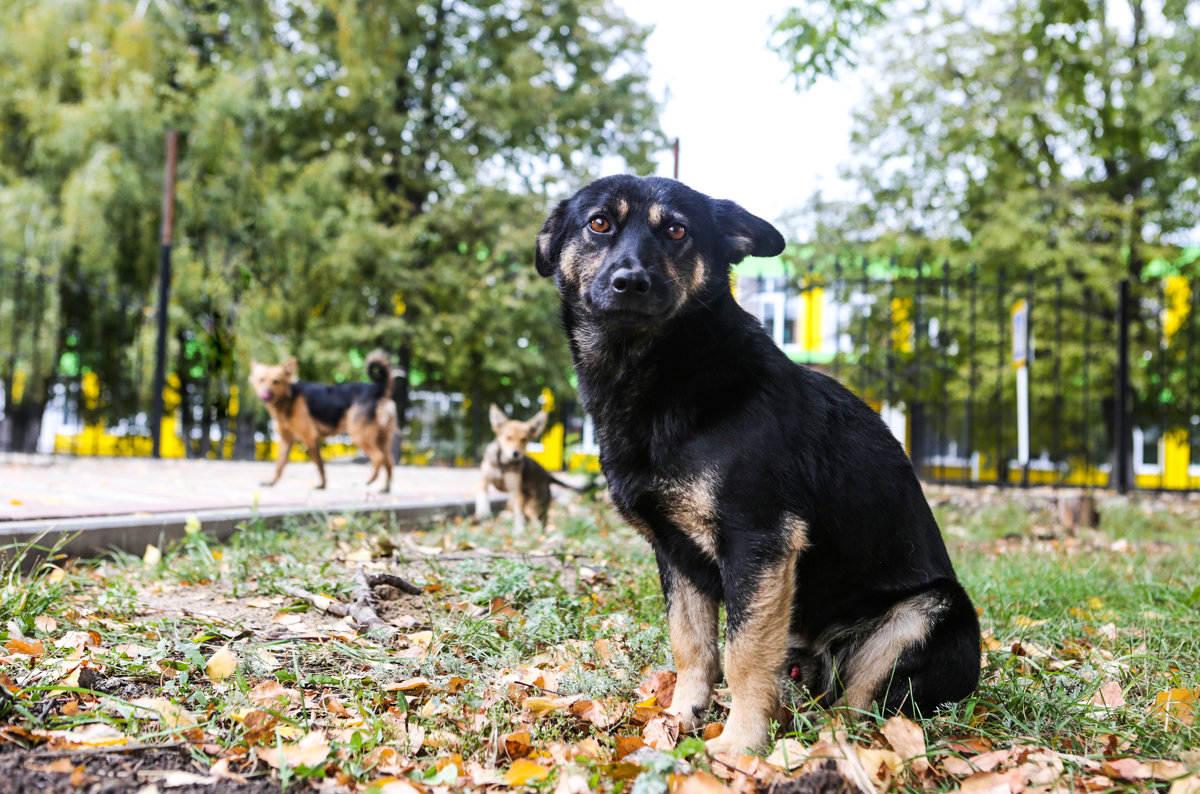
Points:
x=1020 y=344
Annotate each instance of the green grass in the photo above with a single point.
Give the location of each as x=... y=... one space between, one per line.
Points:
x=1063 y=614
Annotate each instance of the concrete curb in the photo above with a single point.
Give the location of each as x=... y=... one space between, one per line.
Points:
x=93 y=536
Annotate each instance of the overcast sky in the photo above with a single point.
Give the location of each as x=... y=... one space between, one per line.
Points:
x=745 y=133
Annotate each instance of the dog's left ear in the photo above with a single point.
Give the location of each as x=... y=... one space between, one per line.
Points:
x=538 y=423
x=290 y=368
x=744 y=234
x=550 y=240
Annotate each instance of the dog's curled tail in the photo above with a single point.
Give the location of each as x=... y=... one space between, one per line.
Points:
x=379 y=370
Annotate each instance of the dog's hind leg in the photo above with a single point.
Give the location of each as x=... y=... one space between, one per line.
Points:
x=314 y=451
x=925 y=652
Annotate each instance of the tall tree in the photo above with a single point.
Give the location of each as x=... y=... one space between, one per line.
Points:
x=352 y=174
x=1047 y=139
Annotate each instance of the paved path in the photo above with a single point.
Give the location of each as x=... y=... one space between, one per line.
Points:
x=66 y=487
x=102 y=503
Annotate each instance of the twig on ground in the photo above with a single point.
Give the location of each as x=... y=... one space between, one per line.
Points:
x=362 y=611
x=323 y=603
x=399 y=582
x=114 y=748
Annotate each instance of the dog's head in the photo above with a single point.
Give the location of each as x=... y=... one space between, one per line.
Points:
x=272 y=382
x=635 y=252
x=514 y=436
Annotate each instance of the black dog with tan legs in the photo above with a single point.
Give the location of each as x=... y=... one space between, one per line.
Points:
x=758 y=482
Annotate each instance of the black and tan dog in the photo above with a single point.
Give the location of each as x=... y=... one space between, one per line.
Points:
x=509 y=470
x=758 y=482
x=310 y=412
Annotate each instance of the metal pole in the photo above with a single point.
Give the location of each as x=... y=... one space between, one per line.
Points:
x=675 y=153
x=1123 y=420
x=164 y=290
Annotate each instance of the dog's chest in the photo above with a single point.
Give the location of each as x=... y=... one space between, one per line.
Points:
x=670 y=507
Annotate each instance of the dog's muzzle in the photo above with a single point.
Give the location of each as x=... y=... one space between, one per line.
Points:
x=628 y=295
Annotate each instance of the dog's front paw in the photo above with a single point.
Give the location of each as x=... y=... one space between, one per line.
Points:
x=689 y=704
x=483 y=508
x=736 y=740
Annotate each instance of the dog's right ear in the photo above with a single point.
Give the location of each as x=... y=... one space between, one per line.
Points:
x=496 y=417
x=550 y=240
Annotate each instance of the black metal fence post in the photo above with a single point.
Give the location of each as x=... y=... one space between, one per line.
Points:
x=164 y=291
x=1123 y=425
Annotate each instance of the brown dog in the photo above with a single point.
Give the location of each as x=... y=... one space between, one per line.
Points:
x=509 y=470
x=310 y=412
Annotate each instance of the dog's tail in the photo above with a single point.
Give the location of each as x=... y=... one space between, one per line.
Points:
x=591 y=485
x=379 y=370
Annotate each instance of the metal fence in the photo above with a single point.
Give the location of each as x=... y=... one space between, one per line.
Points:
x=76 y=368
x=934 y=349
x=930 y=345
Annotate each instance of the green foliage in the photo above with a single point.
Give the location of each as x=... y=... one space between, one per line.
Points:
x=350 y=175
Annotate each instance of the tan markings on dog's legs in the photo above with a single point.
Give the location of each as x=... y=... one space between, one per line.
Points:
x=691 y=504
x=905 y=624
x=692 y=620
x=754 y=659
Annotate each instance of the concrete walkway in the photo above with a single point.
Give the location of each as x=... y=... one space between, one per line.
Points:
x=128 y=502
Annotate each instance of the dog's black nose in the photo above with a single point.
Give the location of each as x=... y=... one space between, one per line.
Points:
x=630 y=279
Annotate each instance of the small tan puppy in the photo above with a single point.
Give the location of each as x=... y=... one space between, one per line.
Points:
x=509 y=470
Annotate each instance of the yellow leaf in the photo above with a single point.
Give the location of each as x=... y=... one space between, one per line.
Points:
x=1177 y=703
x=540 y=707
x=45 y=623
x=152 y=556
x=221 y=664
x=410 y=685
x=523 y=771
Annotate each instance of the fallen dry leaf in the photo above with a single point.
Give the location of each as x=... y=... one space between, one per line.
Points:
x=1178 y=704
x=627 y=744
x=221 y=664
x=524 y=771
x=659 y=685
x=697 y=783
x=310 y=751
x=1126 y=769
x=908 y=740
x=518 y=744
x=418 y=684
x=788 y=754
x=1187 y=785
x=662 y=733
x=33 y=648
x=1109 y=696
x=594 y=712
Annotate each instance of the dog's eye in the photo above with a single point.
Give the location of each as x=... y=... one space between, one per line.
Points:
x=676 y=231
x=599 y=225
